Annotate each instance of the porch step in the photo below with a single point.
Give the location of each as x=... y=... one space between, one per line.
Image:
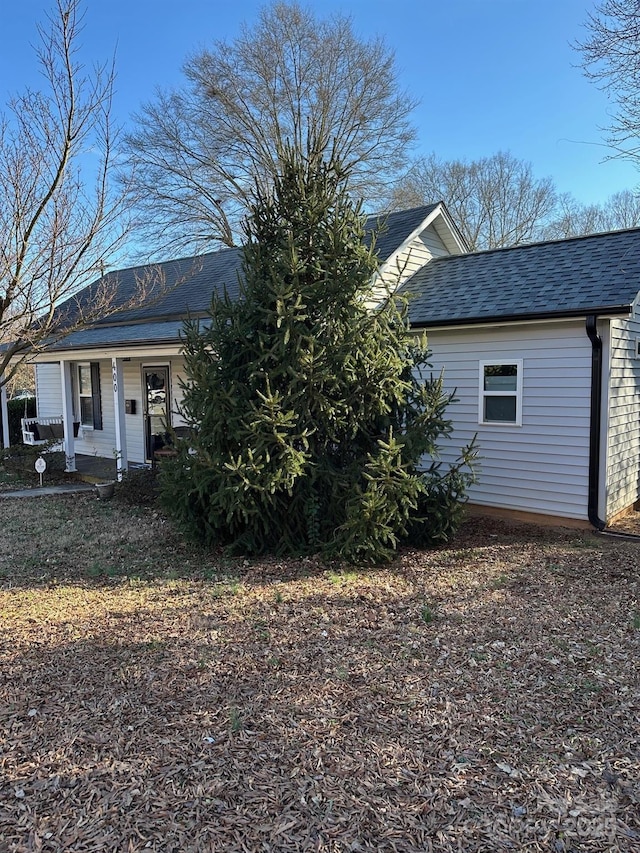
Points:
x=81 y=477
x=95 y=469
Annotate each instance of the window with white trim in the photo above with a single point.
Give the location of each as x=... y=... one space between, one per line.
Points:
x=89 y=410
x=500 y=399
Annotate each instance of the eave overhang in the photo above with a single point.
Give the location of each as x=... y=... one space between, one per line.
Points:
x=603 y=311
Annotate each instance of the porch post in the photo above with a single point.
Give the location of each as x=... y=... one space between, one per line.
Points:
x=122 y=462
x=6 y=441
x=67 y=415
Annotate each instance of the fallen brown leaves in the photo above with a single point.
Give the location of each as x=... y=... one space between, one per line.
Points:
x=479 y=697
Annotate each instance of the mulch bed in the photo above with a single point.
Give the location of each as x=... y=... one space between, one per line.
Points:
x=478 y=697
x=628 y=524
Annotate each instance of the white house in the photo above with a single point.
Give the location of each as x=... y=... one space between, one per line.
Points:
x=541 y=343
x=111 y=390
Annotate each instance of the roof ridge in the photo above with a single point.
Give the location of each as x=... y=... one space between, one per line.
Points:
x=550 y=242
x=403 y=211
x=223 y=249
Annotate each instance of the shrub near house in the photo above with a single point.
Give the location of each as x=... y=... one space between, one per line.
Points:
x=18 y=408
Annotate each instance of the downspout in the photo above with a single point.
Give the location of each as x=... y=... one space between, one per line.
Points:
x=595 y=422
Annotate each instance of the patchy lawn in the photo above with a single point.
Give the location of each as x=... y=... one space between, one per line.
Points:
x=479 y=697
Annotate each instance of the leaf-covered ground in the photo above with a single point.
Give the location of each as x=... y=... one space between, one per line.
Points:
x=153 y=696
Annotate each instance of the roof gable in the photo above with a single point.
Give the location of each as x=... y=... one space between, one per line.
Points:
x=397 y=231
x=394 y=230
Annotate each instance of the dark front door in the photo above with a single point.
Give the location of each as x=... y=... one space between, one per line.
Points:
x=155 y=392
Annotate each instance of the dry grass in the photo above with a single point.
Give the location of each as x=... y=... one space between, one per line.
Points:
x=155 y=697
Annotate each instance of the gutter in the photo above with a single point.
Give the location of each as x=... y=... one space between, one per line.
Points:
x=595 y=421
x=492 y=319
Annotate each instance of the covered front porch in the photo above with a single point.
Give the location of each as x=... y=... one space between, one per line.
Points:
x=62 y=431
x=119 y=409
x=95 y=469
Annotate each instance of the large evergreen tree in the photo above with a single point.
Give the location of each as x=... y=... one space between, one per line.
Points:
x=309 y=415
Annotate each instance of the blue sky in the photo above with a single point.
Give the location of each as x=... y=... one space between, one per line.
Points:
x=490 y=74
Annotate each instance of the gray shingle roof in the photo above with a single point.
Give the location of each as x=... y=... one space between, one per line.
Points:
x=595 y=274
x=394 y=228
x=189 y=282
x=131 y=334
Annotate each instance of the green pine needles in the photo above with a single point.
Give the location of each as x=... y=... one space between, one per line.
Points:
x=311 y=411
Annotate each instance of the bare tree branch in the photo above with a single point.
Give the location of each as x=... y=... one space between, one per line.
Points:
x=621 y=210
x=199 y=153
x=611 y=58
x=60 y=220
x=496 y=201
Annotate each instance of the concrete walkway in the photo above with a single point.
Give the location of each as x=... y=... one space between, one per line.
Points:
x=44 y=491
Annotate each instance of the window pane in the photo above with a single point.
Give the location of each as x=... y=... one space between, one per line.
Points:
x=502 y=409
x=86 y=411
x=500 y=377
x=84 y=379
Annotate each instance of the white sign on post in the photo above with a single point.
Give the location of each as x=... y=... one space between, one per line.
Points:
x=41 y=467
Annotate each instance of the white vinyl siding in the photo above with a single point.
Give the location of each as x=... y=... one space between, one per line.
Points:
x=543 y=465
x=426 y=246
x=48 y=390
x=134 y=423
x=101 y=442
x=432 y=243
x=623 y=434
x=399 y=267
